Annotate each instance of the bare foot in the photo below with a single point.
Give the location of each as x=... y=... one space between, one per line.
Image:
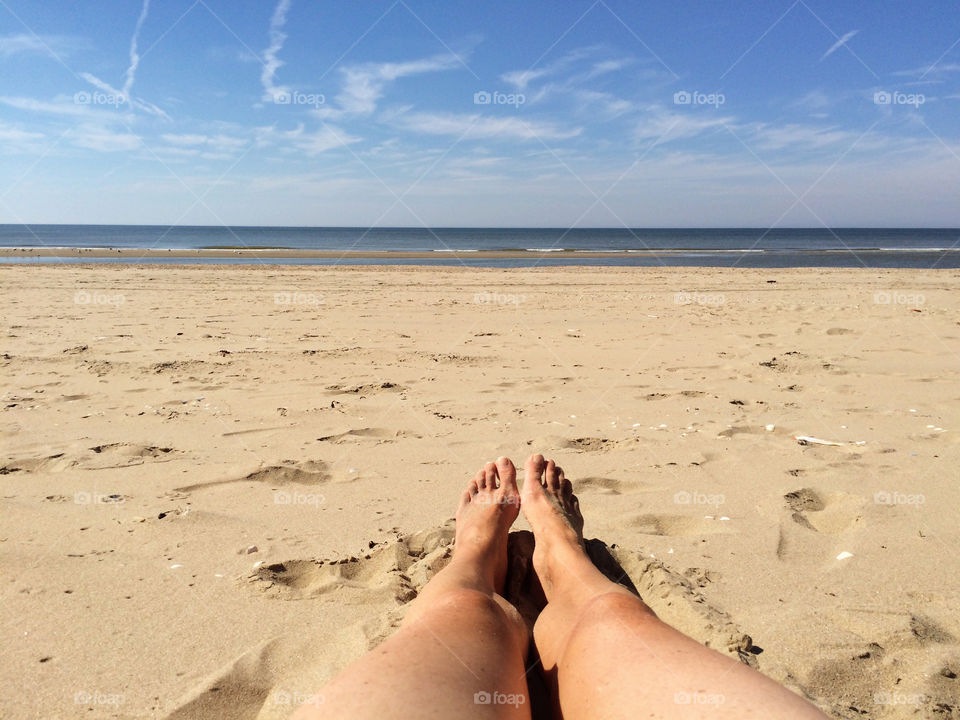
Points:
x=553 y=512
x=487 y=509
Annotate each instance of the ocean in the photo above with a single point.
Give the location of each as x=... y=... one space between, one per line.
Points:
x=741 y=247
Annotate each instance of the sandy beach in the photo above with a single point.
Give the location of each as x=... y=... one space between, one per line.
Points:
x=222 y=483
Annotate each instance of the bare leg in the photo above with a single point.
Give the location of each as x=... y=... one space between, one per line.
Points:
x=604 y=652
x=461 y=649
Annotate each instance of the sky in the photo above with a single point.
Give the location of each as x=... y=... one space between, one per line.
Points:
x=542 y=113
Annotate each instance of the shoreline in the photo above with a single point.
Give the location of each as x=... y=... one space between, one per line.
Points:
x=505 y=254
x=297 y=253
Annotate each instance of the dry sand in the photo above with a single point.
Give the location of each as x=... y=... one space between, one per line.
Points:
x=167 y=428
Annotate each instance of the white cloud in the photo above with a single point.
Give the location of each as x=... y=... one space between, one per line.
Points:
x=97 y=138
x=664 y=126
x=187 y=140
x=226 y=142
x=839 y=44
x=271 y=62
x=328 y=137
x=53 y=45
x=610 y=105
x=100 y=84
x=12 y=134
x=363 y=85
x=938 y=69
x=814 y=100
x=134 y=56
x=807 y=137
x=520 y=79
x=482 y=126
x=131 y=72
x=68 y=109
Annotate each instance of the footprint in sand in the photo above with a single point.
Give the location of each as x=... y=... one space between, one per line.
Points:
x=913 y=668
x=681 y=525
x=382 y=435
x=393 y=570
x=602 y=485
x=365 y=390
x=814 y=521
x=589 y=444
x=118 y=455
x=831 y=514
x=49 y=463
x=311 y=472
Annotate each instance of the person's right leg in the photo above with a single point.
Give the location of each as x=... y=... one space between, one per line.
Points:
x=605 y=653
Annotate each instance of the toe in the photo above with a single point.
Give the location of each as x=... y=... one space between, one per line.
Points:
x=489 y=477
x=533 y=478
x=474 y=486
x=507 y=474
x=564 y=486
x=553 y=476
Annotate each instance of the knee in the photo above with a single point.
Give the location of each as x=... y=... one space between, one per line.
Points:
x=471 y=603
x=483 y=610
x=609 y=613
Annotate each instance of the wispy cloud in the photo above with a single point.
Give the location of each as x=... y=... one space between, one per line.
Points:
x=482 y=126
x=55 y=45
x=301 y=140
x=934 y=69
x=271 y=63
x=12 y=134
x=838 y=44
x=664 y=126
x=222 y=143
x=93 y=137
x=134 y=56
x=131 y=73
x=68 y=109
x=364 y=85
x=520 y=79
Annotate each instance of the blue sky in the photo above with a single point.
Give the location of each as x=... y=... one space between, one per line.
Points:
x=536 y=113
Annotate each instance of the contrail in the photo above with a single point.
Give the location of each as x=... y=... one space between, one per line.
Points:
x=134 y=57
x=277 y=37
x=838 y=44
x=131 y=71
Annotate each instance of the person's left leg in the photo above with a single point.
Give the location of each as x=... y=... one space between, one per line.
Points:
x=462 y=647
